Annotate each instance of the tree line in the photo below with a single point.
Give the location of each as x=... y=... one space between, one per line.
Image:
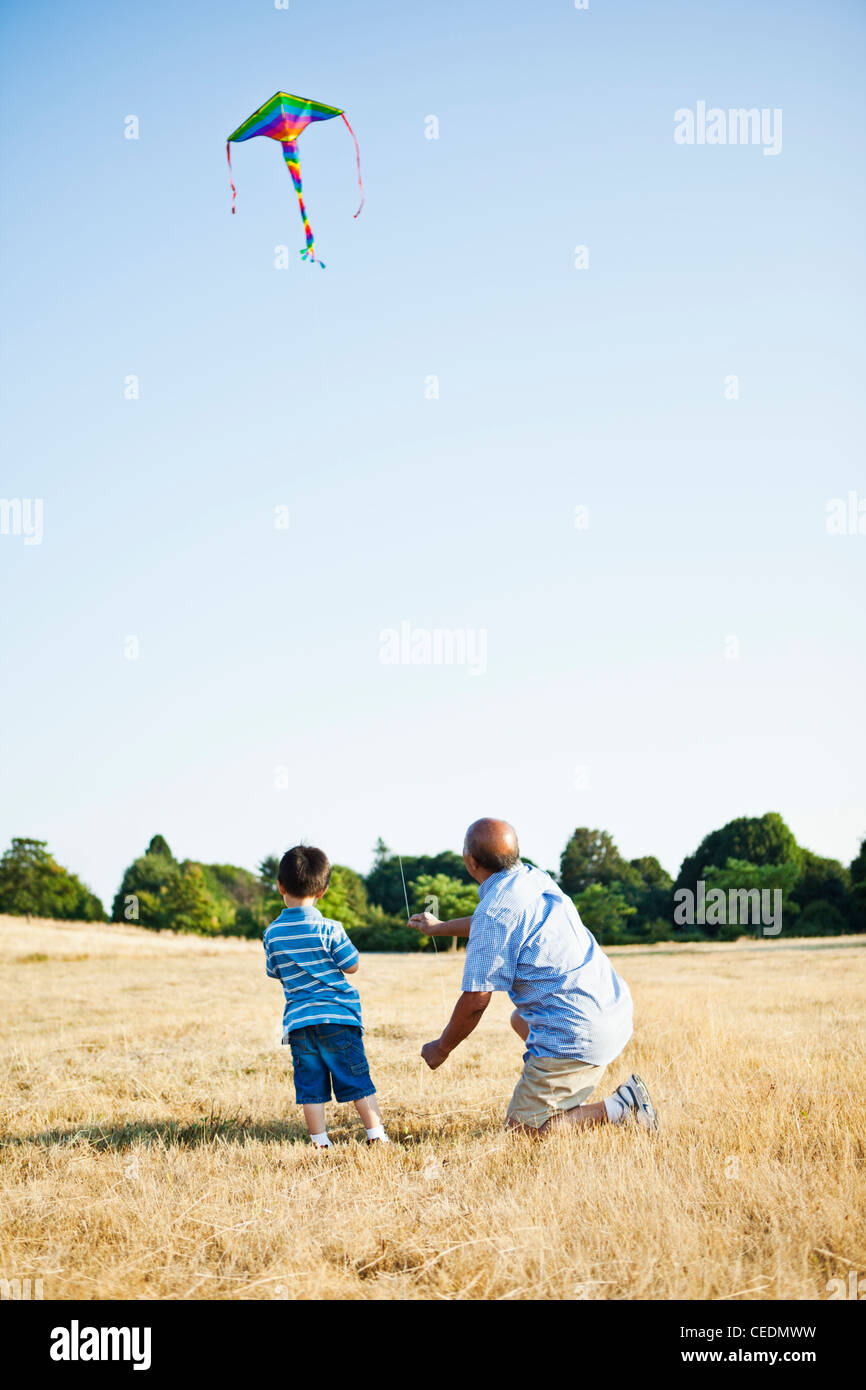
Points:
x=622 y=901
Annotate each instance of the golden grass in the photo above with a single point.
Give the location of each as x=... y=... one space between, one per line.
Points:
x=152 y=1148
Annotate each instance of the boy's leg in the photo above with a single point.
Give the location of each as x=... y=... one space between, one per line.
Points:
x=371 y=1117
x=368 y=1109
x=315 y=1118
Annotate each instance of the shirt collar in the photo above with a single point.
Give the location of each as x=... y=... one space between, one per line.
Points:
x=484 y=888
x=300 y=914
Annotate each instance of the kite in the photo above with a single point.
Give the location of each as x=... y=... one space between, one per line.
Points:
x=283 y=118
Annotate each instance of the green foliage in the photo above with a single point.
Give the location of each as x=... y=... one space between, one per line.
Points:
x=268 y=870
x=857 y=904
x=822 y=918
x=216 y=899
x=620 y=900
x=188 y=904
x=589 y=858
x=386 y=931
x=444 y=896
x=605 y=911
x=739 y=875
x=755 y=839
x=32 y=884
x=346 y=898
x=824 y=881
x=385 y=886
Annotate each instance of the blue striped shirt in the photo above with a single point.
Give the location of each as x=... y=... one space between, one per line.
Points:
x=308 y=953
x=527 y=939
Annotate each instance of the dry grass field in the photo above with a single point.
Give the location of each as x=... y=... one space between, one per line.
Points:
x=151 y=1147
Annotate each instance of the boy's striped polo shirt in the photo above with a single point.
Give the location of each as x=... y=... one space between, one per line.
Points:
x=307 y=953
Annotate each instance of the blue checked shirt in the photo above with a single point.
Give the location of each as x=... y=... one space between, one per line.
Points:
x=527 y=939
x=308 y=953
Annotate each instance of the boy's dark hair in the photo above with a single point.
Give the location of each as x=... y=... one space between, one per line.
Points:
x=304 y=872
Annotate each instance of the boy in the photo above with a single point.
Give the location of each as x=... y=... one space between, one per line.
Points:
x=310 y=955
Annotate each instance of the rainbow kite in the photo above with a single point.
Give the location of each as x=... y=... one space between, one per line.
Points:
x=283 y=118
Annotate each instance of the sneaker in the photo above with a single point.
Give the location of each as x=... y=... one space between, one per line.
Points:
x=637 y=1098
x=381 y=1139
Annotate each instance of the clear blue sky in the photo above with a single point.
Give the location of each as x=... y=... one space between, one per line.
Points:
x=305 y=388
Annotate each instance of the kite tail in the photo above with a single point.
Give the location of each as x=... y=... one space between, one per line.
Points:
x=290 y=155
x=357 y=159
x=229 y=158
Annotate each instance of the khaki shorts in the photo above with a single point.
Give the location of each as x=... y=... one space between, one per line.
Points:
x=551 y=1084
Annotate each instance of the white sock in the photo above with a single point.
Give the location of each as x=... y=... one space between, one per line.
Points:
x=321 y=1141
x=616 y=1109
x=378 y=1132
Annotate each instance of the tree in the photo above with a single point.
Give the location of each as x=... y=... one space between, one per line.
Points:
x=858 y=889
x=754 y=839
x=32 y=884
x=188 y=905
x=346 y=898
x=648 y=888
x=268 y=869
x=824 y=881
x=143 y=893
x=822 y=918
x=158 y=892
x=444 y=896
x=386 y=931
x=605 y=911
x=739 y=877
x=590 y=857
x=385 y=884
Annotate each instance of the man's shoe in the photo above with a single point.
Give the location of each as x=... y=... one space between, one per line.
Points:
x=634 y=1094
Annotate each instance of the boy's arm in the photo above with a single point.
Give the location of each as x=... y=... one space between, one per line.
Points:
x=428 y=925
x=269 y=965
x=343 y=953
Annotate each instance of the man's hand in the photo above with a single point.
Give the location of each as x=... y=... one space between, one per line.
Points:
x=434 y=1053
x=424 y=922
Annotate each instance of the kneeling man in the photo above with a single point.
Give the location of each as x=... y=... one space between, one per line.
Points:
x=571 y=1008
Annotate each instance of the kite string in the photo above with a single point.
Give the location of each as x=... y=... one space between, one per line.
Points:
x=432 y=938
x=229 y=158
x=358 y=162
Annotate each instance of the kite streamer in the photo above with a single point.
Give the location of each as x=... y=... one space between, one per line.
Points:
x=283 y=118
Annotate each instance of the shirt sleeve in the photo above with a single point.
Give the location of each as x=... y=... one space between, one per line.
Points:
x=269 y=964
x=490 y=955
x=343 y=953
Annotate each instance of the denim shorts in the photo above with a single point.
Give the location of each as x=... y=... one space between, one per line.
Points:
x=326 y=1053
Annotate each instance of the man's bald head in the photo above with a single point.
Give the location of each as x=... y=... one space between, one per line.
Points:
x=492 y=844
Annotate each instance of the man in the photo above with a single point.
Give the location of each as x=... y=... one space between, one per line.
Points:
x=571 y=1008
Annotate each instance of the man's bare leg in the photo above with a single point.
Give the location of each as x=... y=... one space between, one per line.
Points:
x=578 y=1116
